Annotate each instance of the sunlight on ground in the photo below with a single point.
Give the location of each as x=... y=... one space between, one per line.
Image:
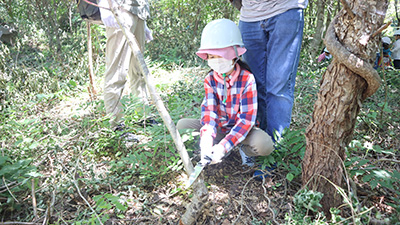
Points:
x=73 y=106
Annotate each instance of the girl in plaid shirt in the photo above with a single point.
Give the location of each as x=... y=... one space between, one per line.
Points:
x=229 y=108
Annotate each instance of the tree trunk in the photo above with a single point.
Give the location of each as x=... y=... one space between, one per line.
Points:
x=396 y=2
x=352 y=38
x=317 y=38
x=332 y=11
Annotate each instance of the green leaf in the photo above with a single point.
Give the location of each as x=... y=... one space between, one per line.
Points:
x=297 y=147
x=34 y=145
x=8 y=169
x=28 y=121
x=289 y=176
x=34 y=174
x=97 y=198
x=120 y=206
x=373 y=183
x=367 y=178
x=362 y=162
x=296 y=140
x=148 y=154
x=383 y=174
x=387 y=184
x=102 y=204
x=396 y=174
x=73 y=83
x=4 y=159
x=358 y=172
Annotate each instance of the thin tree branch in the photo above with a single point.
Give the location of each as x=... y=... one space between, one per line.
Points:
x=381 y=29
x=34 y=198
x=92 y=91
x=200 y=194
x=351 y=61
x=18 y=223
x=347 y=8
x=9 y=190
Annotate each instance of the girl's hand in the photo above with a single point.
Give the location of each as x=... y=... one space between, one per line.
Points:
x=216 y=153
x=206 y=143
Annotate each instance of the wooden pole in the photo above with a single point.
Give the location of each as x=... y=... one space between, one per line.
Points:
x=92 y=91
x=200 y=194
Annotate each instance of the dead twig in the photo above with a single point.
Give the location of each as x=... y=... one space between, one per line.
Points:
x=4 y=181
x=388 y=160
x=86 y=201
x=381 y=29
x=18 y=223
x=92 y=91
x=241 y=200
x=34 y=199
x=269 y=203
x=347 y=8
x=10 y=185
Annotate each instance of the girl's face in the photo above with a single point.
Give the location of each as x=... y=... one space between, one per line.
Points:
x=220 y=64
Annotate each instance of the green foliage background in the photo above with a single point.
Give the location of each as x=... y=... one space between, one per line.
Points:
x=56 y=140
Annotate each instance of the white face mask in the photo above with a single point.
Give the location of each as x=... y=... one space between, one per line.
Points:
x=220 y=65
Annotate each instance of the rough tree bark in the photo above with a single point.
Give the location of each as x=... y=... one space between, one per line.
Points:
x=352 y=38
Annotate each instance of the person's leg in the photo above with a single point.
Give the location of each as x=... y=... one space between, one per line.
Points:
x=195 y=124
x=255 y=41
x=257 y=143
x=187 y=123
x=285 y=34
x=136 y=79
x=117 y=55
x=396 y=63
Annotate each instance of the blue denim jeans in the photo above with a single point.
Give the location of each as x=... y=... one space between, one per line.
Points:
x=273 y=52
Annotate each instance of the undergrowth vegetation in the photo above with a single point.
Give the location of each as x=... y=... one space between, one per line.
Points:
x=59 y=156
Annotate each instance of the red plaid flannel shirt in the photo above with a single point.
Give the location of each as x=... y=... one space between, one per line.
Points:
x=237 y=116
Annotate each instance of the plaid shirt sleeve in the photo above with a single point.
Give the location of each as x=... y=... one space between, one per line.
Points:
x=245 y=119
x=209 y=115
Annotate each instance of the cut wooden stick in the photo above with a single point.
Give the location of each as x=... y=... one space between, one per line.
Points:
x=92 y=91
x=34 y=199
x=200 y=194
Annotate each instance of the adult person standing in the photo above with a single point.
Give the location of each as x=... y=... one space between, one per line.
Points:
x=120 y=60
x=272 y=33
x=396 y=50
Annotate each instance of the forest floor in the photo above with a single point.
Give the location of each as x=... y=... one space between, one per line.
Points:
x=234 y=196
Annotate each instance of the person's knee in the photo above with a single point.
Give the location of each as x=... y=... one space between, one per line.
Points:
x=181 y=124
x=266 y=150
x=264 y=146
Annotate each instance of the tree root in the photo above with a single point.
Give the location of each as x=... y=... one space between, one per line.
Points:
x=351 y=61
x=266 y=197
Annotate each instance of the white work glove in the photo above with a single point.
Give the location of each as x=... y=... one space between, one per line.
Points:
x=106 y=15
x=147 y=31
x=216 y=153
x=206 y=143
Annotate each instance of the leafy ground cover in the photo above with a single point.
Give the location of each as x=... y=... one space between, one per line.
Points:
x=62 y=164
